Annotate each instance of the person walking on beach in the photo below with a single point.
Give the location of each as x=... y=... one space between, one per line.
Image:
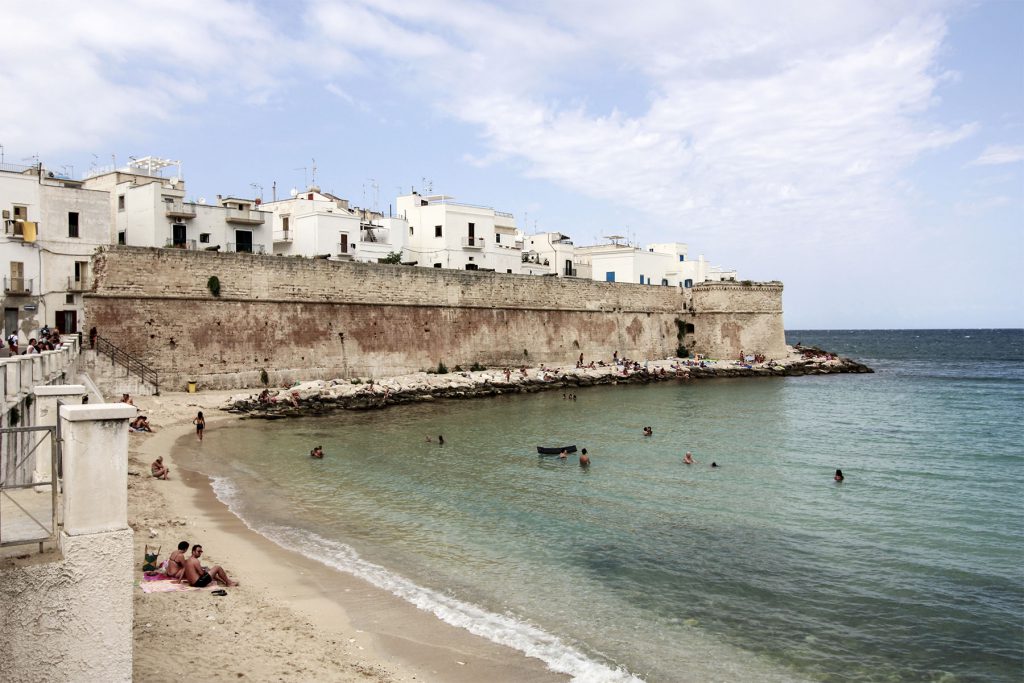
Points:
x=200 y=423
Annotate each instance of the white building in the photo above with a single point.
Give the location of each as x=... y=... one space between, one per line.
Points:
x=52 y=225
x=316 y=223
x=148 y=209
x=443 y=233
x=554 y=252
x=656 y=264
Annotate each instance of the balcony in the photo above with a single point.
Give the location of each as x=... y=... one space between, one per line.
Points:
x=569 y=272
x=473 y=242
x=246 y=248
x=79 y=284
x=180 y=210
x=374 y=233
x=247 y=216
x=172 y=243
x=14 y=227
x=18 y=286
x=282 y=236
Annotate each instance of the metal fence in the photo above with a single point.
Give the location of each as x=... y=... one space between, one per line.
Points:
x=28 y=509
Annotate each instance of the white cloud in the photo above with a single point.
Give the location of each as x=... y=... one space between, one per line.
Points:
x=999 y=154
x=82 y=73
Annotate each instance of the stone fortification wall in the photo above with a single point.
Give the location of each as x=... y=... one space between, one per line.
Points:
x=302 y=318
x=733 y=317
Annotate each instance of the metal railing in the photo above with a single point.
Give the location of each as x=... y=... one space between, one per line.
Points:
x=17 y=285
x=22 y=509
x=129 y=362
x=473 y=242
x=79 y=284
x=172 y=243
x=282 y=235
x=246 y=248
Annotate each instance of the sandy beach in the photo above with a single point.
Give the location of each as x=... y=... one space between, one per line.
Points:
x=291 y=619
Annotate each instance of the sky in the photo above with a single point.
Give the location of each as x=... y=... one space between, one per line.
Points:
x=869 y=155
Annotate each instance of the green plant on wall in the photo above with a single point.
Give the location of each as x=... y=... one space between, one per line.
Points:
x=442 y=369
x=394 y=258
x=213 y=284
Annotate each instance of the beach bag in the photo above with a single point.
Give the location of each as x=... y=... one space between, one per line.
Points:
x=151 y=556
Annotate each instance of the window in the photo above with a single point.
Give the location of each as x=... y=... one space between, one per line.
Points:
x=410 y=231
x=687 y=283
x=470 y=258
x=122 y=237
x=20 y=212
x=204 y=237
x=69 y=299
x=682 y=257
x=609 y=276
x=80 y=268
x=284 y=223
x=664 y=282
x=508 y=270
x=437 y=265
x=497 y=238
x=437 y=231
x=120 y=202
x=72 y=224
x=472 y=266
x=641 y=279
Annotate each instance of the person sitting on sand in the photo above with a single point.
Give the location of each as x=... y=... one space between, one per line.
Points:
x=176 y=562
x=839 y=475
x=140 y=424
x=584 y=458
x=688 y=458
x=159 y=469
x=125 y=398
x=317 y=452
x=199 y=576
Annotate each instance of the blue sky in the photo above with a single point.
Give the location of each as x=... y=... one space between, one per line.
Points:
x=869 y=155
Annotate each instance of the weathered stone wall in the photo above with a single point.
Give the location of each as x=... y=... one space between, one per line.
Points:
x=732 y=318
x=314 y=318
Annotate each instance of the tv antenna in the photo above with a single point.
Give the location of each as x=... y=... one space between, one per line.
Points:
x=258 y=189
x=305 y=176
x=428 y=185
x=314 y=171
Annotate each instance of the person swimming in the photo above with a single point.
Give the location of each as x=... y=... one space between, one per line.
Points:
x=317 y=452
x=584 y=458
x=839 y=475
x=688 y=458
x=648 y=431
x=714 y=464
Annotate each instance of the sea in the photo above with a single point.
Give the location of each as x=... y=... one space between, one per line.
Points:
x=641 y=568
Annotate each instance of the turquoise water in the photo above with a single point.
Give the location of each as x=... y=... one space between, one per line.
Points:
x=641 y=567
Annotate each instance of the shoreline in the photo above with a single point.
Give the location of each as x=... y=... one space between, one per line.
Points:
x=292 y=618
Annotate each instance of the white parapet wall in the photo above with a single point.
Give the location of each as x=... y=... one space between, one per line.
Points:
x=67 y=616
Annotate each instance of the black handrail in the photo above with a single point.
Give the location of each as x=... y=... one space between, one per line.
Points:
x=129 y=362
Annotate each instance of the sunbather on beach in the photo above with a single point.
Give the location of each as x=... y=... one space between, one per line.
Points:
x=176 y=561
x=199 y=576
x=159 y=469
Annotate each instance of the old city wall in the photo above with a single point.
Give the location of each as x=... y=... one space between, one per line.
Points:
x=301 y=318
x=731 y=318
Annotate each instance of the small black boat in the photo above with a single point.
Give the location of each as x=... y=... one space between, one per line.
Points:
x=557 y=450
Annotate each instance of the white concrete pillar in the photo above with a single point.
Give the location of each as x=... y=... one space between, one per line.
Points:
x=12 y=383
x=25 y=374
x=45 y=409
x=37 y=369
x=95 y=467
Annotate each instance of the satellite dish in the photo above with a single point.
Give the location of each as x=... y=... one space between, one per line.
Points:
x=174 y=180
x=202 y=200
x=294 y=192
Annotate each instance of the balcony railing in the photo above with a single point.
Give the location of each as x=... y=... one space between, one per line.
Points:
x=245 y=216
x=180 y=210
x=473 y=242
x=346 y=249
x=79 y=284
x=17 y=285
x=14 y=227
x=246 y=248
x=282 y=235
x=172 y=243
x=569 y=272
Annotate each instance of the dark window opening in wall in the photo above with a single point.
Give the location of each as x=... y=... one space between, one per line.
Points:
x=609 y=276
x=122 y=237
x=120 y=202
x=641 y=279
x=664 y=281
x=687 y=283
x=470 y=258
x=497 y=238
x=472 y=266
x=80 y=268
x=69 y=299
x=72 y=224
x=20 y=212
x=243 y=241
x=411 y=229
x=437 y=265
x=437 y=231
x=682 y=257
x=472 y=232
x=688 y=328
x=204 y=237
x=508 y=270
x=284 y=223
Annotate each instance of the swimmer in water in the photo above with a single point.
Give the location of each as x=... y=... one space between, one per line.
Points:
x=839 y=475
x=688 y=458
x=584 y=458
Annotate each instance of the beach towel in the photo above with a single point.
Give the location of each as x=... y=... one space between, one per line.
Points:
x=158 y=583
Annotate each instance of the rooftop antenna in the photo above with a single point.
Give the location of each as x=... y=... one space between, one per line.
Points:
x=258 y=188
x=305 y=177
x=314 y=171
x=428 y=185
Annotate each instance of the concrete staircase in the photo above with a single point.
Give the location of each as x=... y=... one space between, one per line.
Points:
x=113 y=378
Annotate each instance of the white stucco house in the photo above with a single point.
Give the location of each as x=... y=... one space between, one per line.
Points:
x=444 y=233
x=52 y=225
x=656 y=264
x=556 y=254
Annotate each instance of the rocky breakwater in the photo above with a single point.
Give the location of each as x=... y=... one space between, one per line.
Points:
x=321 y=397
